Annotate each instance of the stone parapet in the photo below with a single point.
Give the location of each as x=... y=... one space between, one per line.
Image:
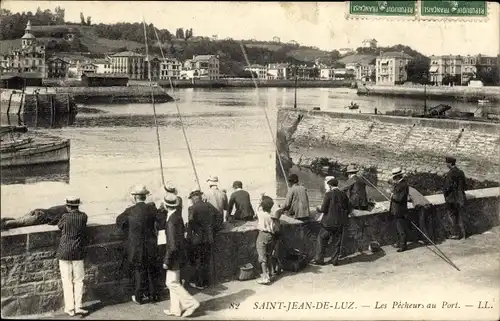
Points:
x=30 y=276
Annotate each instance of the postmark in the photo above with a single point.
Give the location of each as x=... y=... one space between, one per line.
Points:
x=453 y=10
x=394 y=10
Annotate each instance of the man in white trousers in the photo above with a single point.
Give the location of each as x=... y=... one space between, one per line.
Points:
x=181 y=302
x=70 y=253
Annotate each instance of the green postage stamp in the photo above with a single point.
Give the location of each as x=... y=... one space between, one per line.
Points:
x=438 y=10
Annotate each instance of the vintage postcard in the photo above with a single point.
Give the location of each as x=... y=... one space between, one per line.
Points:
x=250 y=160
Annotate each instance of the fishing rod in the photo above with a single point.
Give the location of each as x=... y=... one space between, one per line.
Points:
x=444 y=258
x=180 y=116
x=153 y=102
x=265 y=113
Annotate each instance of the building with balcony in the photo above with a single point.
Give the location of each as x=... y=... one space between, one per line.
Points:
x=390 y=68
x=259 y=70
x=447 y=68
x=129 y=63
x=170 y=68
x=207 y=66
x=29 y=58
x=470 y=65
x=362 y=68
x=278 y=71
x=57 y=68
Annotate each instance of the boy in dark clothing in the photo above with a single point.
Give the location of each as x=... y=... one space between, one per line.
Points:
x=240 y=199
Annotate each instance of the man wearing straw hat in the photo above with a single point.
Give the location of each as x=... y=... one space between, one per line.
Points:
x=181 y=302
x=139 y=222
x=170 y=189
x=399 y=207
x=70 y=253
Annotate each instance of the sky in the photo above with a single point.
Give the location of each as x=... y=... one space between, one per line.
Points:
x=319 y=24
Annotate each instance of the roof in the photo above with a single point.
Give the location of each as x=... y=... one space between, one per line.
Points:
x=203 y=57
x=127 y=54
x=27 y=75
x=395 y=54
x=273 y=66
x=58 y=58
x=256 y=66
x=28 y=36
x=101 y=62
x=93 y=75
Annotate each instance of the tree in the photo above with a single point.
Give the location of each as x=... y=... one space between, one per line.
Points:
x=179 y=33
x=418 y=70
x=89 y=21
x=82 y=18
x=487 y=74
x=373 y=76
x=59 y=14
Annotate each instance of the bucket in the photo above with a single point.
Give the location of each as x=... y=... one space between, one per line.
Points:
x=246 y=272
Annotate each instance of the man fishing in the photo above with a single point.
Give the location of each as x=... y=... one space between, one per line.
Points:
x=399 y=207
x=296 y=200
x=139 y=222
x=217 y=198
x=240 y=200
x=454 y=196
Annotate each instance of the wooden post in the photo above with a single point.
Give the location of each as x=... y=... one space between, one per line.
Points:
x=23 y=100
x=67 y=105
x=52 y=110
x=36 y=110
x=10 y=98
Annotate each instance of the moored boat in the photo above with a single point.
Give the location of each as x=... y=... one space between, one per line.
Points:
x=33 y=150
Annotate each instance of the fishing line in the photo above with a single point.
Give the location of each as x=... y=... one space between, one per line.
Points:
x=153 y=102
x=265 y=113
x=179 y=114
x=444 y=258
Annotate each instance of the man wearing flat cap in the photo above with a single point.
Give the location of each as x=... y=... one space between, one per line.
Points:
x=200 y=235
x=139 y=222
x=454 y=196
x=71 y=252
x=399 y=207
x=335 y=209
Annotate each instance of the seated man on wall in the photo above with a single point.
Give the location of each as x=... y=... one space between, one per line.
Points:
x=240 y=200
x=39 y=216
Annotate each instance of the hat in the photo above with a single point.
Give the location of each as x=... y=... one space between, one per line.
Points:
x=169 y=188
x=329 y=178
x=450 y=160
x=195 y=191
x=397 y=171
x=213 y=179
x=72 y=201
x=171 y=200
x=352 y=169
x=140 y=190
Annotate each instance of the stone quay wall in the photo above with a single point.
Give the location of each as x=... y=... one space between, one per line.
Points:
x=380 y=143
x=30 y=276
x=19 y=102
x=458 y=93
x=31 y=280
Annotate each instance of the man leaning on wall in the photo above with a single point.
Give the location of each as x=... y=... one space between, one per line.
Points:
x=70 y=253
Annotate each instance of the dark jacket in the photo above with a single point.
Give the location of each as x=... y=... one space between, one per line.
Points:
x=139 y=222
x=201 y=218
x=73 y=226
x=175 y=256
x=399 y=199
x=454 y=187
x=297 y=202
x=162 y=214
x=335 y=209
x=356 y=189
x=417 y=199
x=240 y=199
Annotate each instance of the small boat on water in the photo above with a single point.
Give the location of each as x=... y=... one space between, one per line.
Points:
x=353 y=105
x=483 y=101
x=27 y=151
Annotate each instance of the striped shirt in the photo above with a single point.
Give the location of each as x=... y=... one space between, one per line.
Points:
x=73 y=242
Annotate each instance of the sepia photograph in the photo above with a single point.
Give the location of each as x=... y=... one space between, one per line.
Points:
x=250 y=160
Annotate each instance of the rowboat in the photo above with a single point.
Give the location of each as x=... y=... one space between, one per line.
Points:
x=33 y=150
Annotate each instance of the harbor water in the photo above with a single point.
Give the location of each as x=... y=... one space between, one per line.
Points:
x=115 y=147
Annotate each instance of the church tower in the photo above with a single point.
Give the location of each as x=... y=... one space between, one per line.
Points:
x=28 y=39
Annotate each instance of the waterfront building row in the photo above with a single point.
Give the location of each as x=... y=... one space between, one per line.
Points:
x=457 y=69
